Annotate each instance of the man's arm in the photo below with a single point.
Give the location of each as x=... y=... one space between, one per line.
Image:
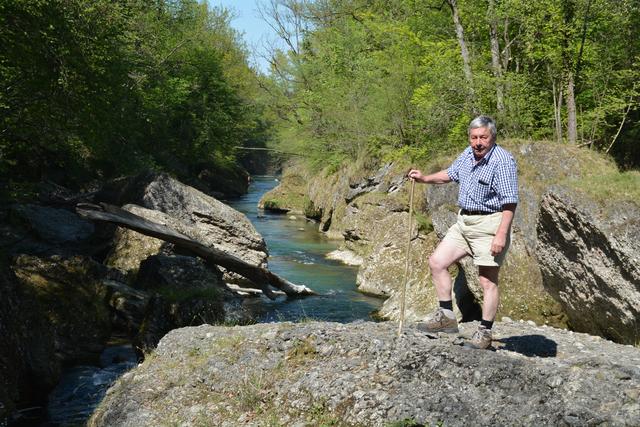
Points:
x=441 y=177
x=500 y=239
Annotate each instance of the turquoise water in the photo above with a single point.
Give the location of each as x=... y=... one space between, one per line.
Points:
x=297 y=252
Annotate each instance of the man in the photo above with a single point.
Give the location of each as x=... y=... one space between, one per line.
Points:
x=487 y=197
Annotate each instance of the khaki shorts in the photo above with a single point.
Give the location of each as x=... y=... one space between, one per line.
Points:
x=474 y=234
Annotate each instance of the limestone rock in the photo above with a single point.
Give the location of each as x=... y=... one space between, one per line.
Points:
x=201 y=217
x=289 y=195
x=28 y=365
x=361 y=374
x=48 y=231
x=589 y=257
x=186 y=293
x=69 y=295
x=345 y=256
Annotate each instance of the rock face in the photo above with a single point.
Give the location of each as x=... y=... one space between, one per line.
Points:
x=28 y=366
x=185 y=293
x=162 y=199
x=589 y=255
x=362 y=374
x=63 y=286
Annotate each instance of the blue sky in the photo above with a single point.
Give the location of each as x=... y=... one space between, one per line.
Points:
x=247 y=20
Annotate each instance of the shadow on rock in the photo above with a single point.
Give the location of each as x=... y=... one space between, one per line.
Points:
x=529 y=345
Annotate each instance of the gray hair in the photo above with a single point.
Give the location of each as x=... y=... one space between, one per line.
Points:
x=484 y=122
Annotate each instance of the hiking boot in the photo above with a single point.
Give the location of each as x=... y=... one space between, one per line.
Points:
x=439 y=322
x=481 y=339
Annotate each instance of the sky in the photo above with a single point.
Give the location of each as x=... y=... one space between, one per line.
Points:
x=247 y=21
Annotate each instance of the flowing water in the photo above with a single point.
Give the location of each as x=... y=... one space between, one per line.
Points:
x=296 y=252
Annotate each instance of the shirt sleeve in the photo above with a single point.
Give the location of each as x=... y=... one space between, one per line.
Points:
x=507 y=181
x=454 y=170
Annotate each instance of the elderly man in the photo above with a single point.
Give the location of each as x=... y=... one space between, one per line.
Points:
x=487 y=197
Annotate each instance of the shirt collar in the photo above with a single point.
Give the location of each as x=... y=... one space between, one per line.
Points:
x=487 y=156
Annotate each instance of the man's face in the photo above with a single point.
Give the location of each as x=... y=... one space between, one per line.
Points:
x=480 y=141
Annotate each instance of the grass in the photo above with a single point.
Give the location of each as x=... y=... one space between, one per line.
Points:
x=611 y=186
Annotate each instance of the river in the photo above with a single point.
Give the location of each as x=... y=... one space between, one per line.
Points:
x=297 y=252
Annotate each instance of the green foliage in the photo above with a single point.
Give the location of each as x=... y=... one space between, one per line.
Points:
x=98 y=88
x=386 y=76
x=425 y=225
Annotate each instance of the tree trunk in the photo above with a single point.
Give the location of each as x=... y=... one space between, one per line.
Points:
x=557 y=108
x=572 y=119
x=495 y=56
x=258 y=275
x=466 y=61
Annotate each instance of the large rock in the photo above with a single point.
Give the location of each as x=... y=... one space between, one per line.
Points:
x=28 y=365
x=186 y=293
x=162 y=199
x=589 y=255
x=289 y=195
x=522 y=295
x=46 y=230
x=362 y=374
x=70 y=296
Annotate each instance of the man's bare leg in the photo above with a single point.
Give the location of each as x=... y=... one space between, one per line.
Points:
x=442 y=258
x=489 y=284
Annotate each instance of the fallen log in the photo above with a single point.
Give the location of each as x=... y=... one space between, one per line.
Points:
x=258 y=275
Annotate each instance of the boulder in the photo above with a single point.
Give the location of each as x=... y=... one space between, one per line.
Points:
x=45 y=230
x=222 y=182
x=162 y=199
x=28 y=365
x=317 y=373
x=69 y=295
x=383 y=270
x=589 y=254
x=289 y=195
x=185 y=293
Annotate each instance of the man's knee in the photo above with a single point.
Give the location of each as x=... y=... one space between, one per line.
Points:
x=437 y=263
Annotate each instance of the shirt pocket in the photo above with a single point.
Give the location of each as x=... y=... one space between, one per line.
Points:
x=484 y=189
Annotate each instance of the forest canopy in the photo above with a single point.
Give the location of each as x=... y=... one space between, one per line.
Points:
x=406 y=76
x=93 y=89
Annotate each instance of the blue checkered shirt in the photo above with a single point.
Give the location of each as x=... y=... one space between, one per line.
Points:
x=486 y=185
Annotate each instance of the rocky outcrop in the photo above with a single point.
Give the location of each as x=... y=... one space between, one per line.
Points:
x=589 y=254
x=28 y=368
x=363 y=374
x=70 y=297
x=290 y=195
x=185 y=292
x=162 y=199
x=365 y=204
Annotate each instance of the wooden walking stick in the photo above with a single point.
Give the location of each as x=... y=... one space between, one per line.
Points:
x=407 y=257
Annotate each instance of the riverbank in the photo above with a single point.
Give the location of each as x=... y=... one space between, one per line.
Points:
x=318 y=373
x=570 y=261
x=298 y=251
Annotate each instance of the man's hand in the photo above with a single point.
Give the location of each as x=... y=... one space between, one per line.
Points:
x=435 y=178
x=498 y=243
x=415 y=174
